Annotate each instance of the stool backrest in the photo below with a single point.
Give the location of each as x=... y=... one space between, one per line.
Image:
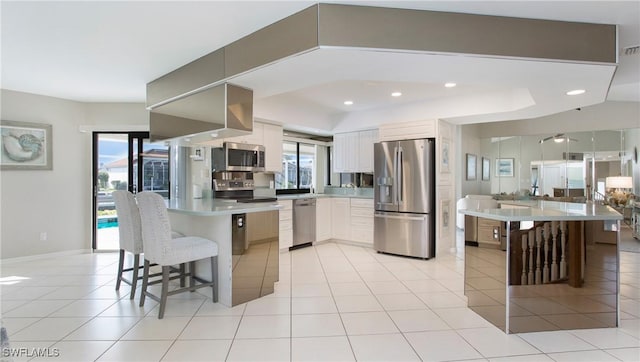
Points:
x=129 y=228
x=156 y=227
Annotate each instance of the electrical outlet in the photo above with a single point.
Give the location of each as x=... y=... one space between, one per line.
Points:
x=43 y=236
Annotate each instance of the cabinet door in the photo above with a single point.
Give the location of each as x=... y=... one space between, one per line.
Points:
x=323 y=219
x=340 y=218
x=339 y=152
x=366 y=139
x=286 y=224
x=273 y=147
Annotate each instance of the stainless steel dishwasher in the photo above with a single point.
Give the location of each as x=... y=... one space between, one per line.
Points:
x=304 y=222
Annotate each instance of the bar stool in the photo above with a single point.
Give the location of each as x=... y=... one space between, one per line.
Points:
x=130 y=236
x=165 y=251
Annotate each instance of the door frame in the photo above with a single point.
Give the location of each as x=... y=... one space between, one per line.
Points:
x=134 y=135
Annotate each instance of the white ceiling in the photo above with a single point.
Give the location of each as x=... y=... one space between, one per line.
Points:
x=108 y=51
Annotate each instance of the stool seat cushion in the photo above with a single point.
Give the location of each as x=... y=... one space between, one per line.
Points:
x=186 y=249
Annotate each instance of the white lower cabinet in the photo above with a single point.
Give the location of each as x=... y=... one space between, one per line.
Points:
x=286 y=224
x=361 y=216
x=323 y=219
x=340 y=218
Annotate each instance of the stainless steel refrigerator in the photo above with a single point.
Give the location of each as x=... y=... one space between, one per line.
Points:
x=404 y=186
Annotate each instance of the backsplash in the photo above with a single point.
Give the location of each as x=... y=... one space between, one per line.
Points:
x=349 y=191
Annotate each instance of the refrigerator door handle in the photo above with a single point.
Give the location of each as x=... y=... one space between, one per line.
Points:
x=394 y=190
x=399 y=189
x=402 y=217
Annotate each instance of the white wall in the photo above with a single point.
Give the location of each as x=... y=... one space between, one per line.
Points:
x=57 y=202
x=470 y=143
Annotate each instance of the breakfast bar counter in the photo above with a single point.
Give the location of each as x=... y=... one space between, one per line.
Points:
x=244 y=273
x=549 y=277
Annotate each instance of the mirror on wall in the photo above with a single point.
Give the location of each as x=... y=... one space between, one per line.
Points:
x=572 y=164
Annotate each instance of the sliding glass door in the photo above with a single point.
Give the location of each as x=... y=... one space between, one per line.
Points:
x=123 y=161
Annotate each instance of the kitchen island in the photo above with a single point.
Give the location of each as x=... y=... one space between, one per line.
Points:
x=548 y=278
x=246 y=271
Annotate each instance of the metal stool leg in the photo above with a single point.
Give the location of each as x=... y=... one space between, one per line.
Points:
x=134 y=278
x=214 y=278
x=120 y=267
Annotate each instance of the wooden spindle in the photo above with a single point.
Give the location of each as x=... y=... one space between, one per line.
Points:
x=545 y=270
x=554 y=249
x=523 y=278
x=532 y=239
x=538 y=261
x=563 y=252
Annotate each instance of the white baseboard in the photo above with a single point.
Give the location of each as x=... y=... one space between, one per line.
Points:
x=44 y=256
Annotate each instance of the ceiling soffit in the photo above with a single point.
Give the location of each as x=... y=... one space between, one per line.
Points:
x=388 y=29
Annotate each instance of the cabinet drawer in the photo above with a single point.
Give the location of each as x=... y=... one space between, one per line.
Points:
x=286 y=225
x=362 y=221
x=286 y=205
x=364 y=203
x=357 y=211
x=286 y=215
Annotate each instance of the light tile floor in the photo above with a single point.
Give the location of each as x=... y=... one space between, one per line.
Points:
x=334 y=302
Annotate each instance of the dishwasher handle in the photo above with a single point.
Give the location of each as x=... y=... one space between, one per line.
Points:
x=305 y=202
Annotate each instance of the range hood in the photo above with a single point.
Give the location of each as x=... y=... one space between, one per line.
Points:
x=225 y=110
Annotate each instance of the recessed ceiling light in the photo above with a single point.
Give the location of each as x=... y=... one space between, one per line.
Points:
x=396 y=94
x=348 y=103
x=575 y=92
x=286 y=134
x=214 y=135
x=450 y=85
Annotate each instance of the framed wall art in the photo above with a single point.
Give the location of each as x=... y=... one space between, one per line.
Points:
x=504 y=167
x=486 y=169
x=471 y=166
x=25 y=146
x=444 y=156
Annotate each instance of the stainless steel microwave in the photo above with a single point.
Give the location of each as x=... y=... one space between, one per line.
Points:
x=237 y=157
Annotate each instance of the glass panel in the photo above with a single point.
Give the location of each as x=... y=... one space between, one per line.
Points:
x=113 y=171
x=155 y=168
x=287 y=179
x=307 y=165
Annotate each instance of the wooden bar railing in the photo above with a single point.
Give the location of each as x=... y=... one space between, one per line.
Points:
x=549 y=252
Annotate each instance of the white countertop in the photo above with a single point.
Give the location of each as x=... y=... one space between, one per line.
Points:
x=548 y=210
x=214 y=207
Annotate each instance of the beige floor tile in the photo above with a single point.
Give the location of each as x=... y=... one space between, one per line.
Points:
x=139 y=351
x=321 y=349
x=382 y=347
x=276 y=326
x=200 y=350
x=276 y=350
x=368 y=323
x=103 y=329
x=152 y=328
x=316 y=325
x=218 y=327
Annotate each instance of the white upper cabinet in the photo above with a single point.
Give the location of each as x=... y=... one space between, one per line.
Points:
x=366 y=139
x=353 y=151
x=273 y=147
